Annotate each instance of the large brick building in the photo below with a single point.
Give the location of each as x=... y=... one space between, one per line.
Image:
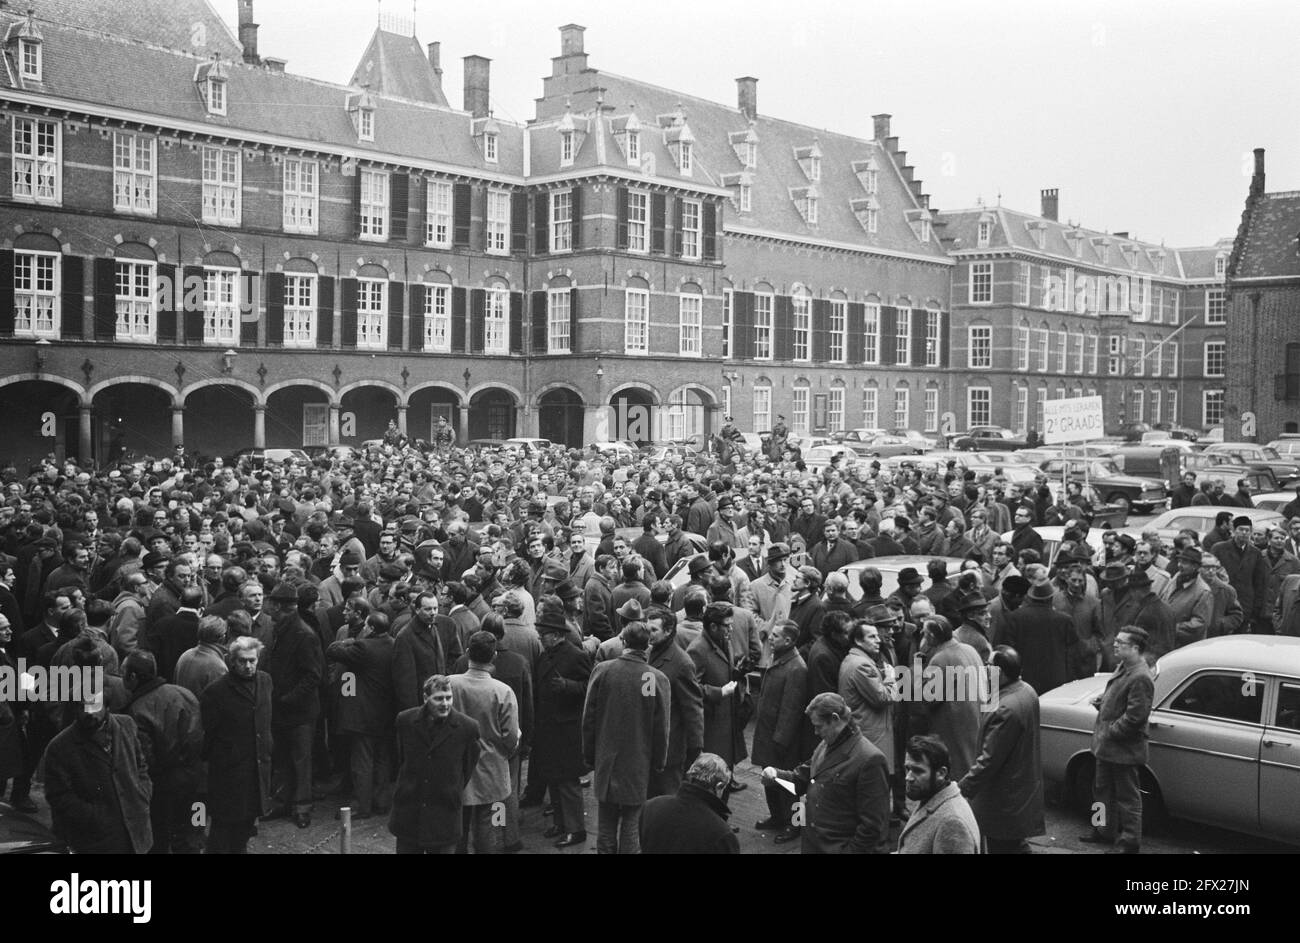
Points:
x=1263 y=341
x=201 y=247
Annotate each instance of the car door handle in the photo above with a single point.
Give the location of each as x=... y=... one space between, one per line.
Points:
x=1276 y=743
x=1161 y=723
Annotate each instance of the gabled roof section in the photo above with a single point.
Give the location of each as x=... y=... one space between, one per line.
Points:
x=1270 y=249
x=396 y=65
x=718 y=128
x=158 y=84
x=188 y=25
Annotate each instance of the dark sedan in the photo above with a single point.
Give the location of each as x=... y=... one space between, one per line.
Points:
x=1115 y=487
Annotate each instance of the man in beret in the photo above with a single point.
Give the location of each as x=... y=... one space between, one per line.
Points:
x=1188 y=598
x=1247 y=574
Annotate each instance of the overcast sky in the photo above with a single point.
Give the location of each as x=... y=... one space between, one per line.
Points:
x=1144 y=113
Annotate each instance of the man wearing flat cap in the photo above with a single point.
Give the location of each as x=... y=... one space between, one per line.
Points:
x=295 y=662
x=1188 y=598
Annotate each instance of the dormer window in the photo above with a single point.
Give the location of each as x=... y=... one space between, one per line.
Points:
x=566 y=148
x=366 y=124
x=814 y=169
x=745 y=144
x=1038 y=233
x=746 y=197
x=361 y=108
x=805 y=200
x=633 y=145
x=1220 y=266
x=810 y=161
x=867 y=210
x=490 y=148
x=985 y=233
x=627 y=133
x=924 y=233
x=684 y=159
x=216 y=96
x=920 y=220
x=679 y=140
x=29 y=55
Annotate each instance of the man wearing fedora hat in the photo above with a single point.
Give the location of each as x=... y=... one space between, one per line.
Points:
x=1139 y=605
x=1045 y=639
x=772 y=596
x=1189 y=598
x=973 y=609
x=626 y=614
x=701 y=572
x=632 y=589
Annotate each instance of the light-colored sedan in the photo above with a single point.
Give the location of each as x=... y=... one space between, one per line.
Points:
x=890 y=567
x=1273 y=500
x=1225 y=736
x=1200 y=519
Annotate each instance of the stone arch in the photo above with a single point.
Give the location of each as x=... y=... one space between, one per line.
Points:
x=461 y=399
x=382 y=384
x=284 y=384
x=84 y=395
x=558 y=385
x=177 y=399
x=258 y=399
x=636 y=385
x=494 y=385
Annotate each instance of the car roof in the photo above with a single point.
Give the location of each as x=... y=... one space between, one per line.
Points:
x=899 y=561
x=1264 y=654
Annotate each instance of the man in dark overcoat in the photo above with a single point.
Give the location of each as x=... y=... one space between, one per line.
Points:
x=686 y=726
x=714 y=671
x=556 y=760
x=366 y=711
x=295 y=662
x=236 y=713
x=778 y=728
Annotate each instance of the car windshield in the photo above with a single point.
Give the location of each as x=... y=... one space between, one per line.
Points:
x=1270 y=454
x=1103 y=469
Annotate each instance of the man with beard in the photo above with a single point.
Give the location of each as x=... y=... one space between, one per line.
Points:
x=845 y=785
x=943 y=823
x=295 y=662
x=686 y=723
x=1189 y=599
x=780 y=737
x=556 y=762
x=418 y=653
x=694 y=820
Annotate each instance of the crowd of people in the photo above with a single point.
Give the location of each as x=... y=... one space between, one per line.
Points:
x=446 y=636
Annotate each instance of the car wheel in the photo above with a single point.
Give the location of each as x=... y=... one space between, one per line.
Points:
x=1120 y=499
x=1078 y=791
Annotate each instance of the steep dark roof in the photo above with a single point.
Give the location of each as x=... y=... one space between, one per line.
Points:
x=189 y=25
x=1270 y=249
x=396 y=65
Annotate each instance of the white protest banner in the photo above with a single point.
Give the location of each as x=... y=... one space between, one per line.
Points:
x=1072 y=420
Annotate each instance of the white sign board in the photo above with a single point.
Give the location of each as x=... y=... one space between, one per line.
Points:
x=1072 y=420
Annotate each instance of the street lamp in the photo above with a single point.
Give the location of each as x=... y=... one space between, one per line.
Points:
x=228 y=360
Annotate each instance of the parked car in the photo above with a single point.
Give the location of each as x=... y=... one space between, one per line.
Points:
x=819 y=458
x=1273 y=500
x=1219 y=466
x=257 y=458
x=922 y=441
x=1288 y=446
x=529 y=446
x=1257 y=456
x=890 y=567
x=20 y=834
x=616 y=447
x=1113 y=485
x=1200 y=519
x=885 y=446
x=857 y=435
x=1224 y=736
x=979 y=438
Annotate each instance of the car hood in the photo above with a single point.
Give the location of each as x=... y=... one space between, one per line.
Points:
x=1075 y=692
x=20 y=835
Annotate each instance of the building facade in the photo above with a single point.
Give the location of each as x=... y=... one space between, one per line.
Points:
x=203 y=248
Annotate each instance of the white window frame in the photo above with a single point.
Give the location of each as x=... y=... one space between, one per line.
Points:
x=837 y=330
x=1173 y=357
x=870 y=407
x=1215 y=351
x=301 y=182
x=1022 y=410
x=315 y=424
x=373 y=211
x=746 y=198
x=902 y=407
x=685 y=158
x=438 y=214
x=37 y=308
x=372 y=313
x=638 y=221
x=633 y=147
x=1025 y=282
x=1139 y=356
x=1139 y=406
x=1115 y=356
x=1044 y=336
x=558 y=321
x=366 y=124
x=490 y=148
x=873 y=219
x=979 y=347
x=810 y=210
x=636 y=321
x=931 y=409
x=871 y=333
x=30 y=59
x=1157 y=358
x=566 y=147
x=37 y=175
x=984 y=233
x=1171 y=405
x=835 y=409
x=799 y=410
x=1094 y=340
x=1062 y=351
x=762 y=397
x=981 y=283
x=692 y=227
x=801 y=325
x=135 y=173
x=137 y=306
x=933 y=338
x=215 y=95
x=1220 y=266
x=1173 y=314
x=974 y=396
x=1040 y=400
x=814 y=168
x=764 y=304
x=496 y=321
x=903 y=338
x=728 y=321
x=1216 y=307
x=498 y=222
x=873 y=180
x=1081 y=338
x=690 y=325
x=299 y=310
x=1155 y=406
x=437 y=318
x=1022 y=348
x=221 y=290
x=223 y=172
x=561 y=217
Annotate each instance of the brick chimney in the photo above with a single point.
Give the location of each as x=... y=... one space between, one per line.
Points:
x=1051 y=204
x=747 y=96
x=1257 y=181
x=248 y=32
x=572 y=57
x=882 y=126
x=435 y=59
x=477 y=70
